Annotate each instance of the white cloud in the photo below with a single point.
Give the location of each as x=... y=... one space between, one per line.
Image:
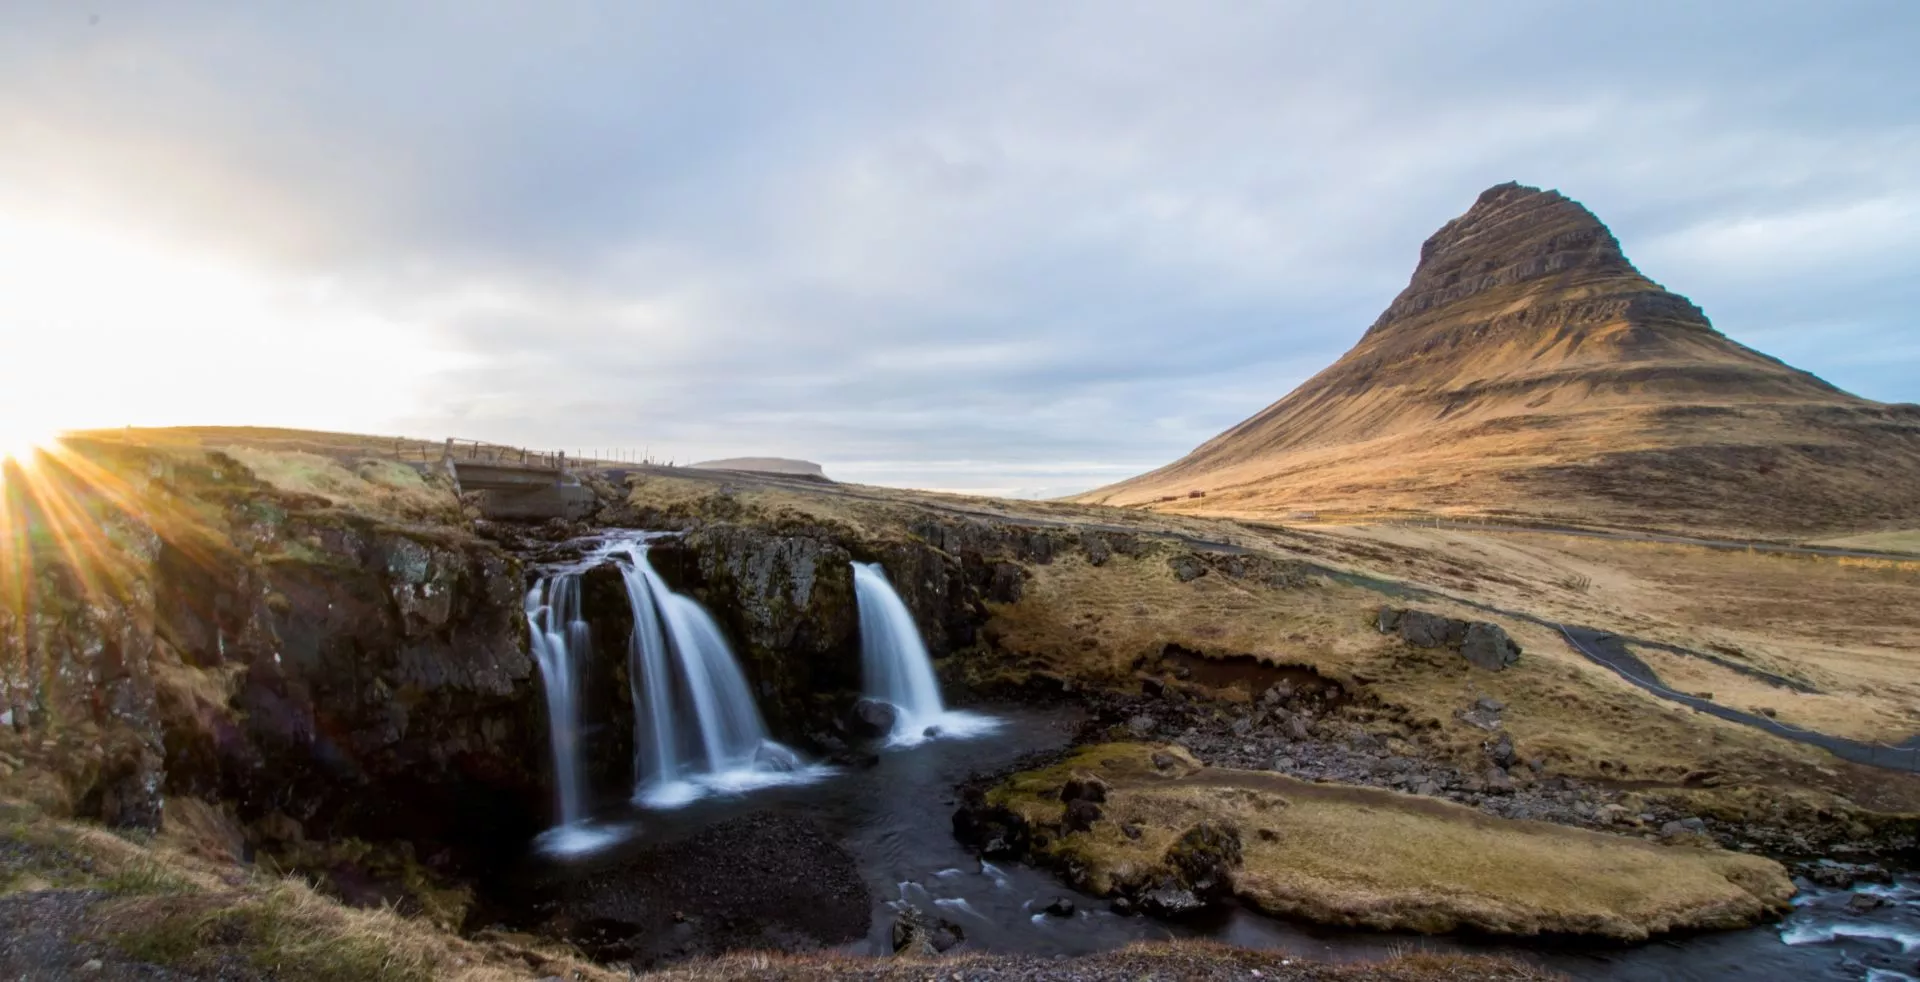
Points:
x=980 y=246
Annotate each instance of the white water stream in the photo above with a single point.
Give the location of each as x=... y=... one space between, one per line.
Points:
x=897 y=668
x=696 y=728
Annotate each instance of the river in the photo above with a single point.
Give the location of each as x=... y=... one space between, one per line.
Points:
x=895 y=819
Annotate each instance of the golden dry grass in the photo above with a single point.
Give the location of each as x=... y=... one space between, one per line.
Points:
x=272 y=440
x=202 y=830
x=1552 y=469
x=1903 y=540
x=381 y=489
x=688 y=493
x=1373 y=858
x=1094 y=623
x=177 y=901
x=1849 y=627
x=1857 y=715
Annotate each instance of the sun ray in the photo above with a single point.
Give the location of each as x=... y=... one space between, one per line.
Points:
x=16 y=567
x=79 y=539
x=63 y=503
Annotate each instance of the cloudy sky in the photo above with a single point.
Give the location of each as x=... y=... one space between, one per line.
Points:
x=1014 y=247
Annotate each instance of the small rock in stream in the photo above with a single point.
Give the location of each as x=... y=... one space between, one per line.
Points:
x=874 y=718
x=1169 y=900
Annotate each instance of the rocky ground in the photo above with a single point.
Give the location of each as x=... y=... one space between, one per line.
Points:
x=763 y=882
x=46 y=934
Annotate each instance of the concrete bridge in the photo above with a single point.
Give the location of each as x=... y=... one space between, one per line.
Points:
x=514 y=483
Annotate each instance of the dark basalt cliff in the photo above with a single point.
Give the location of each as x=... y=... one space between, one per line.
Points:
x=177 y=627
x=784 y=596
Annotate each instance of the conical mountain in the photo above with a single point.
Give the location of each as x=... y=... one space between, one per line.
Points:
x=1529 y=368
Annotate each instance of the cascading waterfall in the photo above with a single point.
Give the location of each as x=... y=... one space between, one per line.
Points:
x=681 y=666
x=897 y=668
x=696 y=728
x=559 y=637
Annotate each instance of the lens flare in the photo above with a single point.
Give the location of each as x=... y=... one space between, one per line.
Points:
x=21 y=442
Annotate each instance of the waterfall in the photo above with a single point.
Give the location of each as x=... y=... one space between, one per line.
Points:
x=682 y=673
x=560 y=639
x=696 y=728
x=897 y=668
x=894 y=658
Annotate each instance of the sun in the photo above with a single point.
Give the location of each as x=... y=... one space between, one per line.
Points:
x=21 y=440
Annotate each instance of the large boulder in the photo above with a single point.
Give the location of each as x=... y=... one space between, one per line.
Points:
x=1095 y=545
x=1080 y=815
x=1428 y=630
x=1483 y=644
x=1488 y=646
x=1170 y=900
x=918 y=934
x=1187 y=568
x=992 y=830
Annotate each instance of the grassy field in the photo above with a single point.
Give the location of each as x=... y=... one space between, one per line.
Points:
x=1367 y=857
x=1851 y=628
x=181 y=900
x=1848 y=627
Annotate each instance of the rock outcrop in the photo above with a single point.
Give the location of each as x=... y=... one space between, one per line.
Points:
x=1529 y=366
x=1484 y=644
x=248 y=645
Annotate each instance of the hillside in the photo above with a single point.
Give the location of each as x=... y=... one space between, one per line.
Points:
x=1530 y=368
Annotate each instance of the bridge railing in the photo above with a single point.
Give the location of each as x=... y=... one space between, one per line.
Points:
x=480 y=451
